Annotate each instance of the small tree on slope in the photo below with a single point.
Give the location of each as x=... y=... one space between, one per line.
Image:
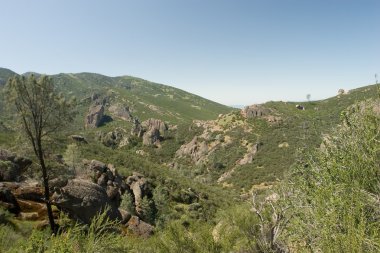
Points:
x=42 y=112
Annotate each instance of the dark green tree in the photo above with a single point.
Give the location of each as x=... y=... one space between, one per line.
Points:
x=42 y=112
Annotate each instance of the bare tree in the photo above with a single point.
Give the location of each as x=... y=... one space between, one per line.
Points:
x=42 y=112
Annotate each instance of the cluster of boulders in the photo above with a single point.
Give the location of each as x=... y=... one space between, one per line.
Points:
x=98 y=187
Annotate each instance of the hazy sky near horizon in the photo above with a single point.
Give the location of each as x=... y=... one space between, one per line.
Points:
x=233 y=52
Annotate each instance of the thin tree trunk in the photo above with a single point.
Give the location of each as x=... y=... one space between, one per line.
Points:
x=47 y=194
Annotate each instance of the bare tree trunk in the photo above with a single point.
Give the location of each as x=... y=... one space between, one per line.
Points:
x=47 y=193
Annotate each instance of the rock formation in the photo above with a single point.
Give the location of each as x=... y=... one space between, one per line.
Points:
x=195 y=149
x=253 y=111
x=140 y=188
x=94 y=116
x=139 y=227
x=121 y=112
x=152 y=131
x=83 y=200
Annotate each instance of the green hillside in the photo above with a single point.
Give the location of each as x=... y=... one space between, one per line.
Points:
x=201 y=169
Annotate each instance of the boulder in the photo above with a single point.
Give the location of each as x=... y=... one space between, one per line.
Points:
x=79 y=138
x=139 y=227
x=83 y=200
x=94 y=116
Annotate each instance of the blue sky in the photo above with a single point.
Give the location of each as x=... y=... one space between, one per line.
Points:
x=232 y=52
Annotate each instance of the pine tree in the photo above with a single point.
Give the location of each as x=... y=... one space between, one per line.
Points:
x=42 y=112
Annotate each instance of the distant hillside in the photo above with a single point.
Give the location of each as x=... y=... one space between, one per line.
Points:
x=5 y=74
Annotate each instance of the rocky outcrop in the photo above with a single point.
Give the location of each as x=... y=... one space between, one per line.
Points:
x=155 y=124
x=253 y=111
x=196 y=149
x=83 y=200
x=94 y=116
x=12 y=166
x=98 y=186
x=152 y=131
x=155 y=130
x=140 y=188
x=259 y=111
x=121 y=112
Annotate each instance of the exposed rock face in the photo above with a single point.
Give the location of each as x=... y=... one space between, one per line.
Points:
x=140 y=188
x=12 y=166
x=253 y=111
x=195 y=149
x=83 y=200
x=94 y=116
x=121 y=112
x=139 y=227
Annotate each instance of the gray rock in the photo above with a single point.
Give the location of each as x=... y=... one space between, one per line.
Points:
x=154 y=131
x=121 y=112
x=83 y=200
x=94 y=116
x=139 y=227
x=140 y=188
